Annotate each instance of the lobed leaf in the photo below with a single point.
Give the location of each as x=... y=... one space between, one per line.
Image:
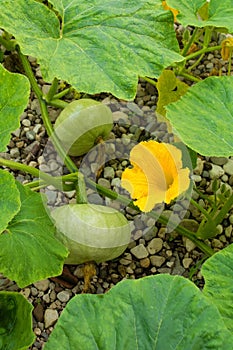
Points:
x=98 y=46
x=14 y=94
x=156 y=312
x=9 y=199
x=28 y=249
x=218 y=13
x=218 y=274
x=203 y=117
x=15 y=322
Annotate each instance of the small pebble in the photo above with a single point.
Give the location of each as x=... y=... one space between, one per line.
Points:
x=187 y=262
x=145 y=263
x=127 y=259
x=109 y=172
x=42 y=285
x=216 y=171
x=139 y=251
x=63 y=296
x=50 y=317
x=155 y=245
x=157 y=260
x=228 y=167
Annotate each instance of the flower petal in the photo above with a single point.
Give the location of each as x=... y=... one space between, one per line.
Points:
x=180 y=184
x=157 y=175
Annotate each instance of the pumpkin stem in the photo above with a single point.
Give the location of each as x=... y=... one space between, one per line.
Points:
x=81 y=194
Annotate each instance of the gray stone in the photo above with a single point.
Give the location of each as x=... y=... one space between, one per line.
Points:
x=216 y=171
x=118 y=115
x=139 y=251
x=218 y=160
x=36 y=128
x=109 y=172
x=50 y=317
x=104 y=183
x=42 y=285
x=14 y=152
x=30 y=135
x=155 y=245
x=63 y=296
x=228 y=167
x=134 y=108
x=26 y=122
x=127 y=259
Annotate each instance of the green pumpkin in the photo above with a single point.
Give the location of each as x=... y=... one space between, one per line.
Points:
x=81 y=124
x=91 y=232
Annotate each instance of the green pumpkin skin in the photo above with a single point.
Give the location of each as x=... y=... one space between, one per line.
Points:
x=81 y=124
x=91 y=232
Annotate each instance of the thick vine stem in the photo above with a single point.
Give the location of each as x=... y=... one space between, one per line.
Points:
x=52 y=91
x=45 y=116
x=50 y=180
x=81 y=193
x=191 y=41
x=202 y=51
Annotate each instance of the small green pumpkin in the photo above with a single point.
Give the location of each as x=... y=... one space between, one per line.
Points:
x=81 y=124
x=91 y=232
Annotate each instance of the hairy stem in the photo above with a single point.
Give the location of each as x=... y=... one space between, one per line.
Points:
x=55 y=102
x=149 y=80
x=52 y=91
x=32 y=171
x=189 y=77
x=202 y=51
x=191 y=41
x=45 y=116
x=62 y=93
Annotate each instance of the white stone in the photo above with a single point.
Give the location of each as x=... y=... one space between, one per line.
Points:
x=216 y=171
x=228 y=167
x=50 y=317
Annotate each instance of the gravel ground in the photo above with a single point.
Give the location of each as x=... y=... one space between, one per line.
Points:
x=152 y=249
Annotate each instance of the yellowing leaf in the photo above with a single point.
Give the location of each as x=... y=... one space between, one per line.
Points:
x=170 y=89
x=227 y=47
x=174 y=11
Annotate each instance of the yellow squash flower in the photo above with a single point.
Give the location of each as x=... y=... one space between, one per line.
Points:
x=227 y=48
x=156 y=175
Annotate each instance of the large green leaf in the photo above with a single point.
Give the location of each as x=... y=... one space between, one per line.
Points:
x=28 y=249
x=15 y=322
x=156 y=312
x=99 y=46
x=9 y=199
x=218 y=274
x=220 y=13
x=203 y=117
x=14 y=94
